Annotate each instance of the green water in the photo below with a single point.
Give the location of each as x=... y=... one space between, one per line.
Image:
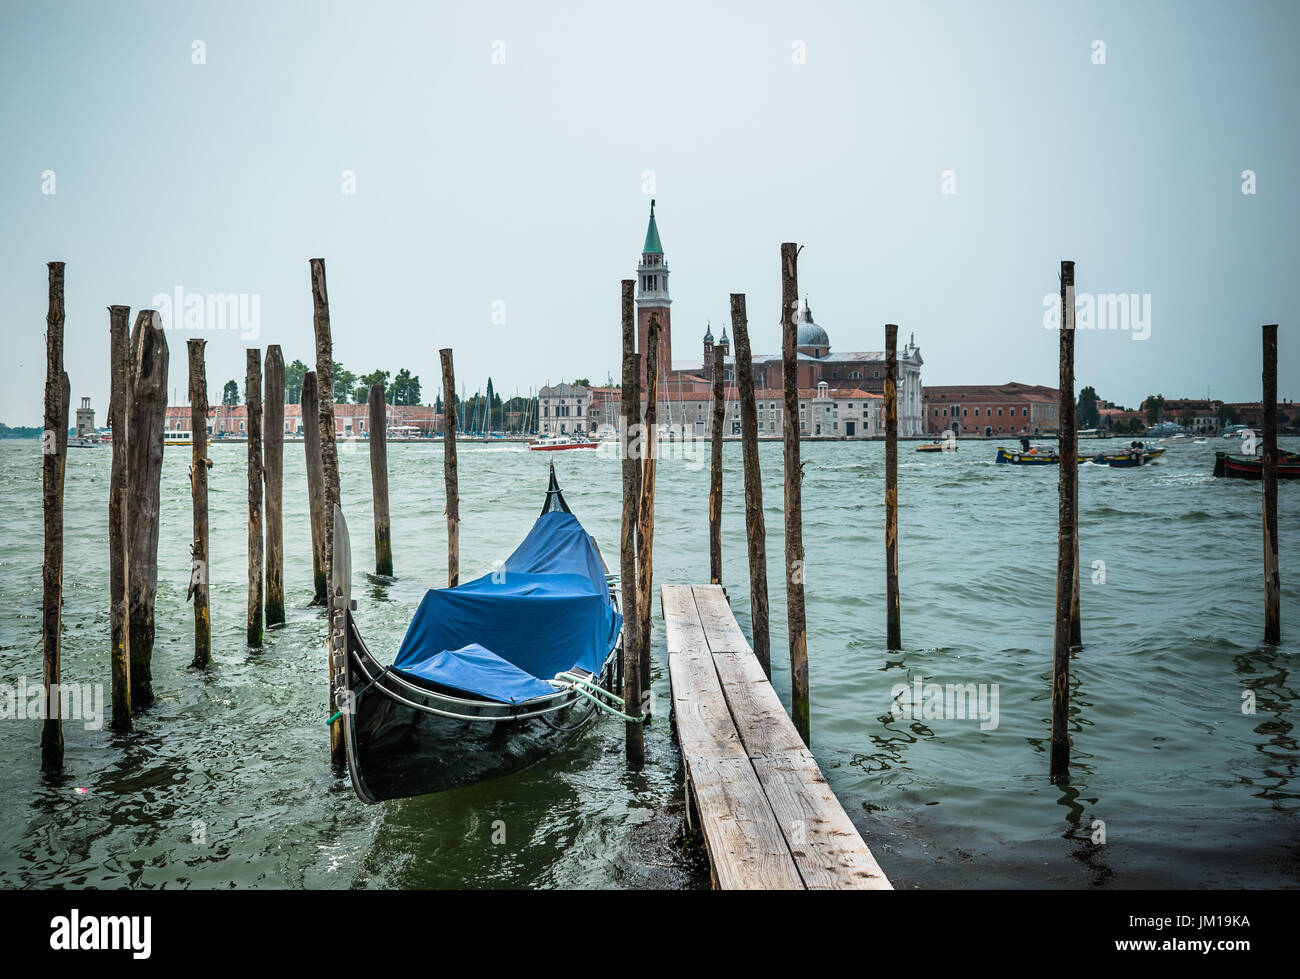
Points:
x=226 y=781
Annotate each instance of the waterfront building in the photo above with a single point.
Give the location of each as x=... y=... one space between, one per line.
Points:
x=564 y=409
x=350 y=420
x=991 y=409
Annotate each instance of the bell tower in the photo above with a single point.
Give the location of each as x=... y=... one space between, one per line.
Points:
x=652 y=297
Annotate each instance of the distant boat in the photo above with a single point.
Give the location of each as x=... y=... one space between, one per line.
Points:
x=86 y=442
x=1235 y=431
x=1033 y=456
x=1162 y=429
x=556 y=443
x=1136 y=454
x=937 y=447
x=1248 y=467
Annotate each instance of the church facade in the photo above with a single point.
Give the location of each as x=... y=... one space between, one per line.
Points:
x=841 y=392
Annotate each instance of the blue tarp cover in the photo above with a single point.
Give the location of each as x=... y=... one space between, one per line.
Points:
x=474 y=669
x=545 y=610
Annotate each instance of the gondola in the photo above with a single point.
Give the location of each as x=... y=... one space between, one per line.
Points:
x=492 y=675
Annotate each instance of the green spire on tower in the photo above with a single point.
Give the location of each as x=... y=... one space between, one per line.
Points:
x=652 y=246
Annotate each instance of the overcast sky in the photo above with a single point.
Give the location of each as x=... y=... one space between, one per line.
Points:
x=505 y=156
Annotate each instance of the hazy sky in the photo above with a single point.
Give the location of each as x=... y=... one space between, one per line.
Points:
x=524 y=183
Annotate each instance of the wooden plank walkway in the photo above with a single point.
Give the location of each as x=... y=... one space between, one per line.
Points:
x=767 y=815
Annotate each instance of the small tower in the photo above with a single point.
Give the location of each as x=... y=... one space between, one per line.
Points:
x=85 y=420
x=653 y=298
x=708 y=351
x=724 y=343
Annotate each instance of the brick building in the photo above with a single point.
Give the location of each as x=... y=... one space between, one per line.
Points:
x=991 y=409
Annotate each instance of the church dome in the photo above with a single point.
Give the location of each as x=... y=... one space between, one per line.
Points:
x=810 y=334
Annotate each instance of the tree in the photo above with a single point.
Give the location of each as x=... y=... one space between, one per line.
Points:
x=293 y=375
x=1086 y=411
x=582 y=382
x=405 y=389
x=344 y=382
x=230 y=394
x=1153 y=407
x=362 y=394
x=1186 y=417
x=1228 y=415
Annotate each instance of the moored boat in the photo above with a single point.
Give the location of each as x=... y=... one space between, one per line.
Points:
x=492 y=675
x=1252 y=467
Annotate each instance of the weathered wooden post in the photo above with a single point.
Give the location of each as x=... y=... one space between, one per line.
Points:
x=199 y=582
x=1272 y=576
x=144 y=426
x=794 y=554
x=715 y=470
x=329 y=477
x=253 y=396
x=893 y=626
x=449 y=466
x=379 y=480
x=54 y=452
x=273 y=467
x=755 y=526
x=1066 y=557
x=631 y=458
x=119 y=393
x=315 y=483
x=645 y=529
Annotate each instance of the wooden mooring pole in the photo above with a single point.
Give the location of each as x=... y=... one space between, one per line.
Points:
x=715 y=470
x=794 y=553
x=631 y=458
x=54 y=453
x=1066 y=555
x=144 y=426
x=273 y=483
x=315 y=483
x=449 y=466
x=253 y=396
x=119 y=391
x=755 y=527
x=199 y=464
x=893 y=624
x=645 y=524
x=379 y=480
x=1272 y=576
x=329 y=477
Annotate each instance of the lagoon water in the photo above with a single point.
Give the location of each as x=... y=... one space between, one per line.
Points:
x=226 y=782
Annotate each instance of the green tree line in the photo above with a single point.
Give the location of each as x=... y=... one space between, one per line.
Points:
x=404 y=389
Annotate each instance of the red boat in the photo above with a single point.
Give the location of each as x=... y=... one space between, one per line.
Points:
x=1247 y=467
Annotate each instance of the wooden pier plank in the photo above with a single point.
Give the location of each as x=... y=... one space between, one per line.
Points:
x=827 y=848
x=726 y=709
x=746 y=846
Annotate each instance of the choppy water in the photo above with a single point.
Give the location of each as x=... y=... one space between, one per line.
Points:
x=226 y=782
